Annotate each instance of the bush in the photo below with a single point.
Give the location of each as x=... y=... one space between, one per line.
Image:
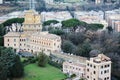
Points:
x=55 y=64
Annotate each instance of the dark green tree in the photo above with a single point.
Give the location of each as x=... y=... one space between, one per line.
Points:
x=57 y=32
x=71 y=23
x=68 y=47
x=12 y=67
x=49 y=22
x=94 y=27
x=42 y=59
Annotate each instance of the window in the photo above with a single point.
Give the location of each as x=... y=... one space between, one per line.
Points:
x=8 y=44
x=105 y=71
x=94 y=72
x=108 y=65
x=94 y=66
x=105 y=66
x=88 y=70
x=8 y=40
x=87 y=76
x=101 y=66
x=88 y=64
x=105 y=79
x=91 y=65
x=14 y=44
x=101 y=72
x=94 y=79
x=14 y=40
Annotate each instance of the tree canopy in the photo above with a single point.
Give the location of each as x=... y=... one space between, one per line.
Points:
x=42 y=59
x=9 y=22
x=71 y=23
x=10 y=64
x=49 y=22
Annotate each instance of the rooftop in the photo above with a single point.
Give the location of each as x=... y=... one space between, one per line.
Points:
x=45 y=34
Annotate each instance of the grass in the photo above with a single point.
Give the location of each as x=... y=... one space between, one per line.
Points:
x=33 y=72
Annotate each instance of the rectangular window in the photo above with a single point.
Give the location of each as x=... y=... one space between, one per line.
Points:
x=8 y=40
x=14 y=40
x=14 y=44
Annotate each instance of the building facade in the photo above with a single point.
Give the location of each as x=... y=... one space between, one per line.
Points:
x=32 y=39
x=74 y=68
x=117 y=26
x=97 y=68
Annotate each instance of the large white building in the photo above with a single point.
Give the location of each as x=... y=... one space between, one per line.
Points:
x=91 y=17
x=59 y=16
x=97 y=68
x=32 y=39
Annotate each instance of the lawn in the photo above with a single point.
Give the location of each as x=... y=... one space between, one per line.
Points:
x=33 y=72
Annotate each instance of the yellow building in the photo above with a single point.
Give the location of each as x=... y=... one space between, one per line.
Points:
x=32 y=21
x=32 y=39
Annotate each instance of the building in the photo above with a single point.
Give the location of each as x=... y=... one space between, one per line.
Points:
x=32 y=21
x=112 y=19
x=1 y=1
x=98 y=1
x=74 y=68
x=117 y=26
x=91 y=17
x=97 y=68
x=32 y=39
x=43 y=41
x=49 y=1
x=59 y=16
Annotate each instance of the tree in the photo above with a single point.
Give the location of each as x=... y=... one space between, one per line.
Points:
x=56 y=31
x=86 y=48
x=42 y=59
x=76 y=38
x=10 y=64
x=17 y=69
x=94 y=27
x=1 y=41
x=109 y=29
x=68 y=47
x=49 y=22
x=71 y=23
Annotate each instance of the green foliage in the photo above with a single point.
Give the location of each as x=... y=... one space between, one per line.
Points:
x=12 y=67
x=1 y=41
x=49 y=22
x=2 y=30
x=76 y=38
x=42 y=59
x=17 y=69
x=57 y=32
x=94 y=27
x=109 y=29
x=34 y=72
x=55 y=64
x=13 y=20
x=71 y=23
x=73 y=75
x=68 y=47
